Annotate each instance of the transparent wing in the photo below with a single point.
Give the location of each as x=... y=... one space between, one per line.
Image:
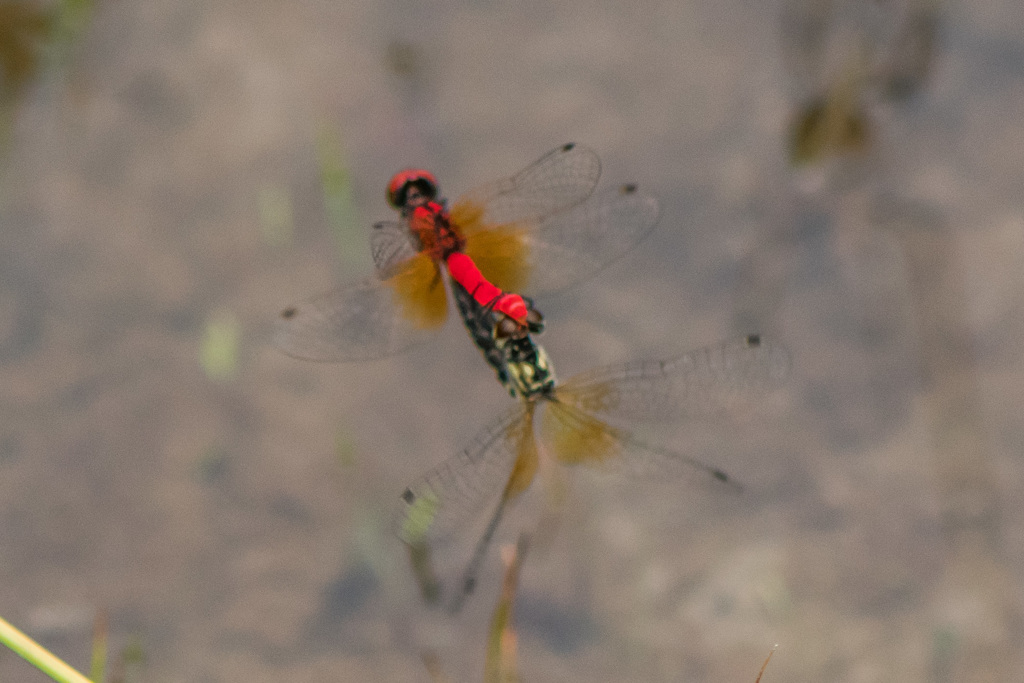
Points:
x=572 y=246
x=524 y=470
x=557 y=181
x=457 y=490
x=727 y=379
x=390 y=245
x=370 y=319
x=577 y=438
x=565 y=248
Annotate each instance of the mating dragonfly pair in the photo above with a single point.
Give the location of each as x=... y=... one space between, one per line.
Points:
x=532 y=232
x=535 y=231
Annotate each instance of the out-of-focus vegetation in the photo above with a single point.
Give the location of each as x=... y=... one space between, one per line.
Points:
x=342 y=215
x=843 y=64
x=24 y=31
x=218 y=353
x=502 y=642
x=100 y=633
x=32 y=39
x=835 y=124
x=276 y=215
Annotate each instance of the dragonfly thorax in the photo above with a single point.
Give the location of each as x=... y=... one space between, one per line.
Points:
x=530 y=373
x=432 y=228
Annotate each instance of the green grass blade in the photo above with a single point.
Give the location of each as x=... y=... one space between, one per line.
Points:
x=98 y=669
x=38 y=656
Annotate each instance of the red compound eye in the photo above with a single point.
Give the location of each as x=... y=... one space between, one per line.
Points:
x=398 y=187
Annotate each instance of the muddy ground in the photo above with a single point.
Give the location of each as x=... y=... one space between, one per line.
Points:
x=237 y=527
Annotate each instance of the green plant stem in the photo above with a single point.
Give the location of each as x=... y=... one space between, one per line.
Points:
x=38 y=656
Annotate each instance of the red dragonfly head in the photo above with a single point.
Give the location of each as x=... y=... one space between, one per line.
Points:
x=411 y=188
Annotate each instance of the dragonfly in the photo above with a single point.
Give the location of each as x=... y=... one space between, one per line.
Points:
x=534 y=231
x=588 y=420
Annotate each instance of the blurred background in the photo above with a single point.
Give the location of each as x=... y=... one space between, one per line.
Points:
x=844 y=176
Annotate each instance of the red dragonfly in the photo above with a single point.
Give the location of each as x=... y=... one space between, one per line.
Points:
x=586 y=421
x=532 y=232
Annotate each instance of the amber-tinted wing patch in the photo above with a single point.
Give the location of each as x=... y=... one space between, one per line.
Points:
x=499 y=251
x=581 y=439
x=466 y=218
x=419 y=292
x=577 y=438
